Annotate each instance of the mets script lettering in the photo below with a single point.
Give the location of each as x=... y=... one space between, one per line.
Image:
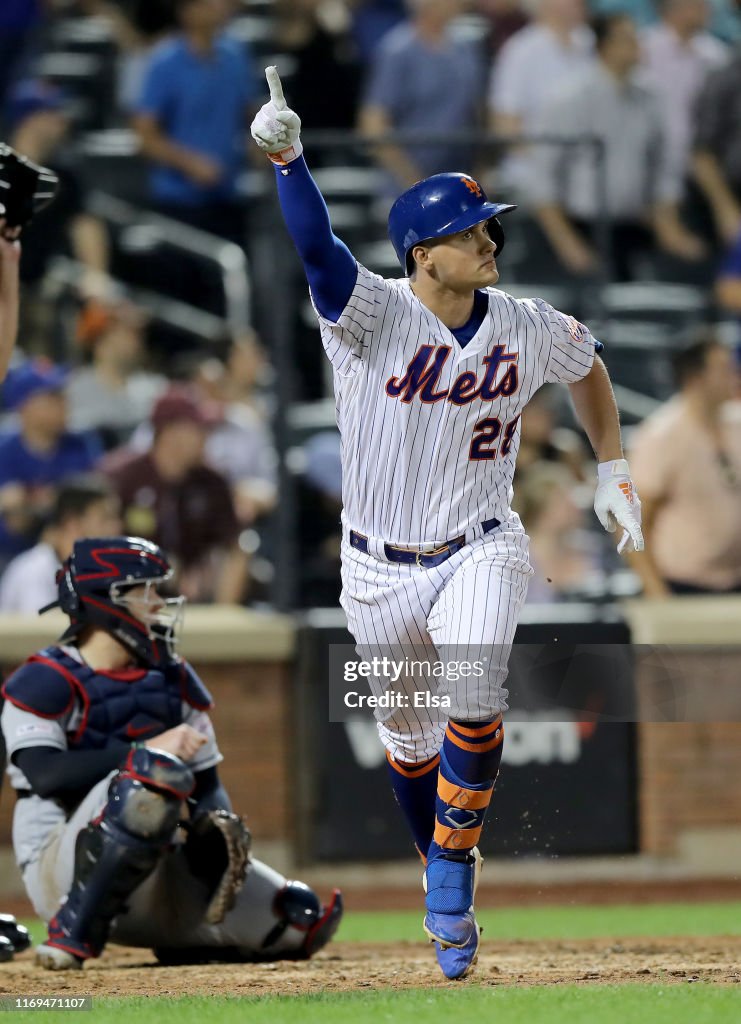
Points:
x=425 y=369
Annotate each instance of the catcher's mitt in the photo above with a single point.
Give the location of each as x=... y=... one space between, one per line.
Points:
x=25 y=187
x=218 y=852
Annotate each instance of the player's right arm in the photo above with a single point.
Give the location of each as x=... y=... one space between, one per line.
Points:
x=35 y=718
x=38 y=704
x=331 y=269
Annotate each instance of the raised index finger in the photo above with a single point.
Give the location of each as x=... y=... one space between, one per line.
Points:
x=276 y=88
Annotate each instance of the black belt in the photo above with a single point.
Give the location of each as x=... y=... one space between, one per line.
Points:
x=22 y=794
x=425 y=560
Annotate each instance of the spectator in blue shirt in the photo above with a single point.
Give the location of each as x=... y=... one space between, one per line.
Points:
x=38 y=454
x=424 y=78
x=191 y=117
x=372 y=19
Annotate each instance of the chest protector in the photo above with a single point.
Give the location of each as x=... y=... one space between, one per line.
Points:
x=131 y=705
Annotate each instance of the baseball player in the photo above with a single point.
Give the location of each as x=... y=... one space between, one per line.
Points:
x=108 y=735
x=431 y=374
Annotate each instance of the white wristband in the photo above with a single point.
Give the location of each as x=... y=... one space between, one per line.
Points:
x=617 y=467
x=287 y=156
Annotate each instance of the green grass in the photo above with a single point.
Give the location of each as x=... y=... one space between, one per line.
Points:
x=544 y=922
x=560 y=922
x=624 y=1004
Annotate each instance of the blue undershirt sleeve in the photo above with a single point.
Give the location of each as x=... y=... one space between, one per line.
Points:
x=331 y=269
x=52 y=772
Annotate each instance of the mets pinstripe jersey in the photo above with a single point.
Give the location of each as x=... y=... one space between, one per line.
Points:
x=430 y=429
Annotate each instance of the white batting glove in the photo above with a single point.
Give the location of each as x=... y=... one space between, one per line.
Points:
x=616 y=504
x=276 y=128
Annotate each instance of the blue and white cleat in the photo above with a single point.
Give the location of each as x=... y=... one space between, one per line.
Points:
x=450 y=885
x=458 y=961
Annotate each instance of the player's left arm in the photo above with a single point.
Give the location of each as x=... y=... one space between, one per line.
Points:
x=597 y=411
x=616 y=501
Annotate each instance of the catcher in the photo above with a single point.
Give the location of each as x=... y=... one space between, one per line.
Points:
x=108 y=736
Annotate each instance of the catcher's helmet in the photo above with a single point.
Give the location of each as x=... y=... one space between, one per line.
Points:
x=92 y=586
x=441 y=205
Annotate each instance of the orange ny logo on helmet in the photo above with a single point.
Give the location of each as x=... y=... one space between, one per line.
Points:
x=473 y=187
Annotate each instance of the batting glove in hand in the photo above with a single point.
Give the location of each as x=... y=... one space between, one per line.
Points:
x=616 y=504
x=276 y=128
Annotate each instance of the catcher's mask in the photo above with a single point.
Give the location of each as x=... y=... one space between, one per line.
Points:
x=113 y=583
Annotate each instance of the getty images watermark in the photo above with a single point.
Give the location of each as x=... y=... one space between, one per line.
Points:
x=555 y=681
x=390 y=671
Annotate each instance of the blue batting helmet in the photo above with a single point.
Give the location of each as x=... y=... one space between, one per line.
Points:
x=441 y=205
x=93 y=586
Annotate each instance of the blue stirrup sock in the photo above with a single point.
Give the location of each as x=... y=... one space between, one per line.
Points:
x=415 y=789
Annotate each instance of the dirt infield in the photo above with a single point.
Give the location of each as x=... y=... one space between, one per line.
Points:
x=356 y=966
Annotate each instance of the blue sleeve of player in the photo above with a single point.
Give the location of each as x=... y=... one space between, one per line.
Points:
x=330 y=267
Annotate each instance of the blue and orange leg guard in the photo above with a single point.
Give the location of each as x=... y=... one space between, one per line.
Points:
x=469 y=762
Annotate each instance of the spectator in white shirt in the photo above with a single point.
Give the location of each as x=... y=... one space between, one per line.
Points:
x=642 y=183
x=533 y=63
x=678 y=55
x=84 y=507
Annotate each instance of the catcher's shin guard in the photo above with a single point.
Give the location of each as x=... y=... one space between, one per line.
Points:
x=115 y=853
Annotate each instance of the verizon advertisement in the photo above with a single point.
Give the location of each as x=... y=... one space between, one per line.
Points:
x=567 y=784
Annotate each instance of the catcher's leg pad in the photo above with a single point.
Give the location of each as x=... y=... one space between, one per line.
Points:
x=217 y=851
x=297 y=906
x=303 y=927
x=117 y=851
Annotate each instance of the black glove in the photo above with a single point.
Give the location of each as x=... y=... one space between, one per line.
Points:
x=25 y=187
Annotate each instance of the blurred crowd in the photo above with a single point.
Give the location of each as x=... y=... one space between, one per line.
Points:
x=617 y=128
